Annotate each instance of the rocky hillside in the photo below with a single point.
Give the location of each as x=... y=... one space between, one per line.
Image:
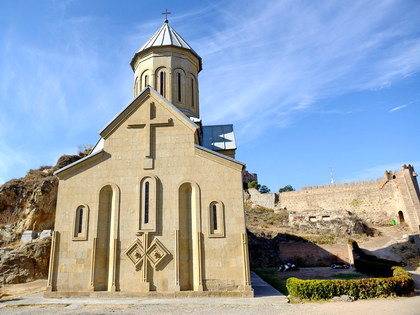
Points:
x=28 y=203
x=25 y=263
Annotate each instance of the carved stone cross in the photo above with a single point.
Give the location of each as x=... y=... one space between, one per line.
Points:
x=152 y=122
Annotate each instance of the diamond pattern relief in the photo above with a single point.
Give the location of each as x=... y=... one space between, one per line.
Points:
x=155 y=253
x=135 y=252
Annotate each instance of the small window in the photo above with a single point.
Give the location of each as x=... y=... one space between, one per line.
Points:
x=80 y=219
x=147 y=204
x=312 y=219
x=216 y=219
x=214 y=214
x=146 y=81
x=162 y=83
x=179 y=86
x=192 y=93
x=136 y=91
x=81 y=223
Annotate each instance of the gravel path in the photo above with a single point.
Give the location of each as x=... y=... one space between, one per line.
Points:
x=267 y=301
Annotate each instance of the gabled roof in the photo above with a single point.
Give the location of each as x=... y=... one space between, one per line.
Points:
x=114 y=123
x=166 y=36
x=218 y=137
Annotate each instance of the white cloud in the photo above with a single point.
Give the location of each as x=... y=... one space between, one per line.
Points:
x=279 y=59
x=397 y=108
x=403 y=105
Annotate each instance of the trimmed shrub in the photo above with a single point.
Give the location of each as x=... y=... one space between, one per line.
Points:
x=399 y=284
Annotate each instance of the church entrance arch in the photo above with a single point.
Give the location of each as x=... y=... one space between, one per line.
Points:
x=401 y=217
x=189 y=244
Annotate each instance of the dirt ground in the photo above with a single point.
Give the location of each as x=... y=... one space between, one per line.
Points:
x=12 y=291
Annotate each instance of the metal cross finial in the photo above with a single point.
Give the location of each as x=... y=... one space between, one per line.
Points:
x=166 y=15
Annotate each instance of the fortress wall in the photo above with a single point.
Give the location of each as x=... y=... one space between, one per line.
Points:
x=267 y=200
x=374 y=201
x=310 y=254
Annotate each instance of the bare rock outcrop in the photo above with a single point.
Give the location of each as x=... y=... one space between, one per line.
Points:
x=25 y=263
x=29 y=203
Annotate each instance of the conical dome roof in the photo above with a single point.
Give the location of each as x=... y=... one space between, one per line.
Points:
x=167 y=36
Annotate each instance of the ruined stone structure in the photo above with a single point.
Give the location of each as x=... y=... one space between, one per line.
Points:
x=156 y=209
x=394 y=197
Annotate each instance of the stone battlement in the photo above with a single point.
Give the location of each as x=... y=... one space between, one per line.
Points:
x=393 y=197
x=388 y=176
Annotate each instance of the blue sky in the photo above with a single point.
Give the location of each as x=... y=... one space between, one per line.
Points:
x=308 y=85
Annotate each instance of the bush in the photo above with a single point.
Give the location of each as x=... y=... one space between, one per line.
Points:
x=399 y=284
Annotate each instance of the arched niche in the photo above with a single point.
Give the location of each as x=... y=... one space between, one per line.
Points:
x=189 y=258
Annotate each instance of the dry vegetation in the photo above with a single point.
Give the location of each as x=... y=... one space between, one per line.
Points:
x=264 y=222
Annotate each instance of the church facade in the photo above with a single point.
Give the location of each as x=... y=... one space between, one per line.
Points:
x=156 y=208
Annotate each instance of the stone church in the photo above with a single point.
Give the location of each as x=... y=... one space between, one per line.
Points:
x=156 y=208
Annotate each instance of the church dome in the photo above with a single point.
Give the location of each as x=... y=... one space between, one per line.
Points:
x=170 y=66
x=167 y=36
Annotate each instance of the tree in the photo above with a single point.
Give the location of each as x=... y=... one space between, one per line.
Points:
x=264 y=189
x=254 y=184
x=286 y=188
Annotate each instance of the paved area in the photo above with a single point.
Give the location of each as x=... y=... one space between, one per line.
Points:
x=267 y=300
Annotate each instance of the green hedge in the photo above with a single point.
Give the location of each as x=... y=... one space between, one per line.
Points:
x=401 y=283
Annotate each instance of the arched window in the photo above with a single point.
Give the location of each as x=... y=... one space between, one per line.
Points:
x=81 y=223
x=214 y=216
x=80 y=219
x=146 y=81
x=216 y=219
x=136 y=89
x=179 y=86
x=148 y=204
x=192 y=92
x=162 y=83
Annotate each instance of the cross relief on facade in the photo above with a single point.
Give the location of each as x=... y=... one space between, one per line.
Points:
x=140 y=253
x=148 y=126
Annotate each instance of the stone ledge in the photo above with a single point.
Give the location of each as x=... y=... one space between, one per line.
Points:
x=153 y=294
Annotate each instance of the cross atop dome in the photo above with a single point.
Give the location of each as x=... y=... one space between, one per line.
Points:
x=166 y=15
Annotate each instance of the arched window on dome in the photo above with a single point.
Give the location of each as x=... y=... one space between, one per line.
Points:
x=145 y=79
x=136 y=84
x=161 y=81
x=178 y=84
x=193 y=90
x=178 y=79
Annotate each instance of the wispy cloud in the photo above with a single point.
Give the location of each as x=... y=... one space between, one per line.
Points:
x=403 y=106
x=277 y=60
x=397 y=108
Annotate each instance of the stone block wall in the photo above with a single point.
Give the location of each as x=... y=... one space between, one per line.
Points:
x=373 y=202
x=309 y=254
x=393 y=197
x=267 y=200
